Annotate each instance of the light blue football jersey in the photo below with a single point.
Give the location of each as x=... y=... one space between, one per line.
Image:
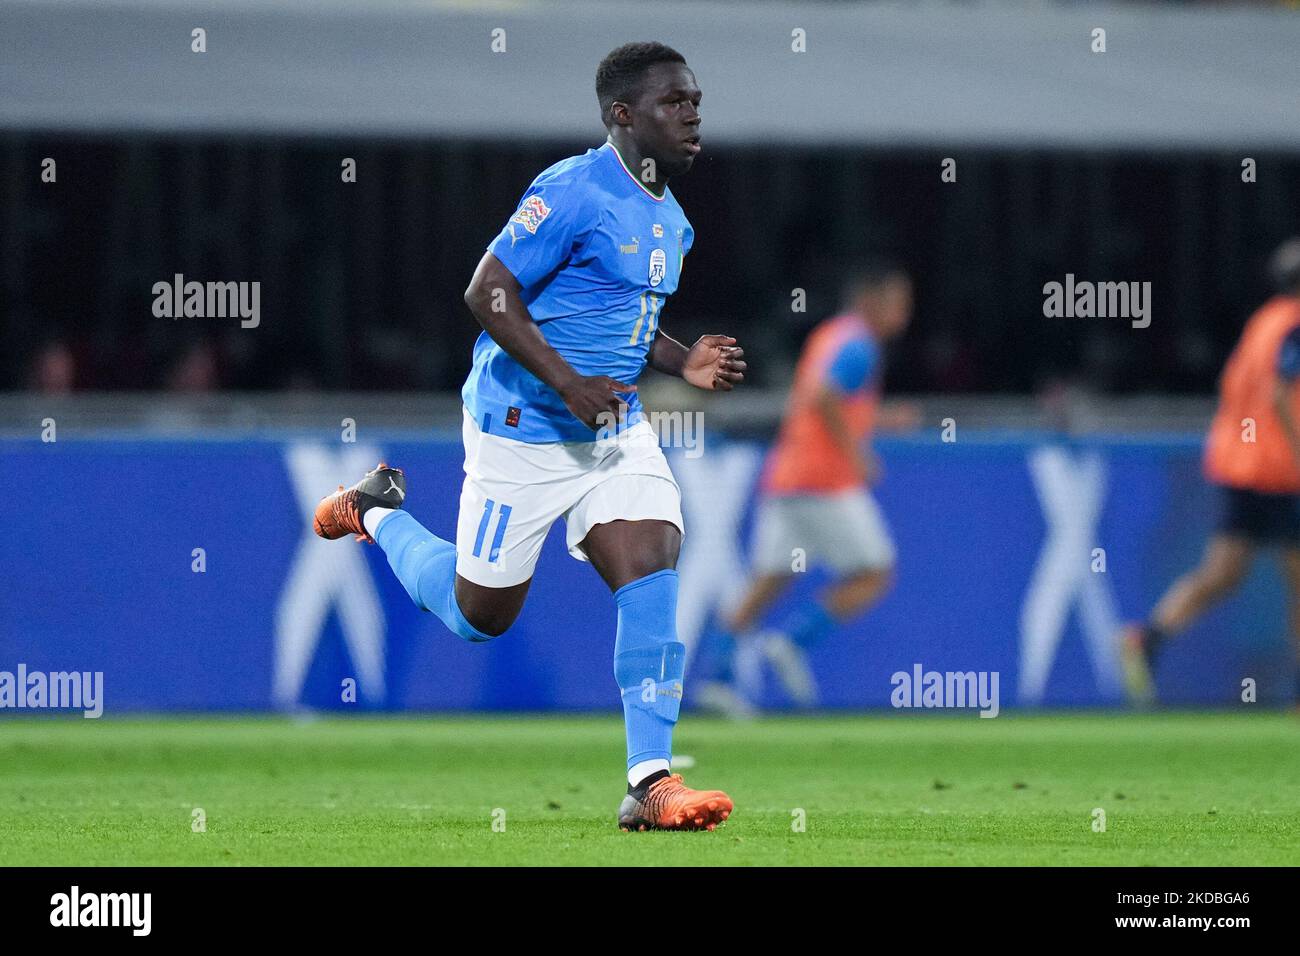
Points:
x=596 y=255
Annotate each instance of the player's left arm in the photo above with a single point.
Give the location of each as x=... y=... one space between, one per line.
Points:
x=1288 y=375
x=714 y=362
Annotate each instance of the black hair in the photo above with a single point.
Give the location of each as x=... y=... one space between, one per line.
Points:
x=870 y=274
x=619 y=74
x=1284 y=267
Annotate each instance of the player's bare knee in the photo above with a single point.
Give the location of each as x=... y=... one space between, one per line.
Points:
x=876 y=579
x=492 y=624
x=490 y=611
x=492 y=617
x=627 y=551
x=644 y=566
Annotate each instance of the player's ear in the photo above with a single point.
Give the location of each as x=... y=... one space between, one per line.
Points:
x=619 y=114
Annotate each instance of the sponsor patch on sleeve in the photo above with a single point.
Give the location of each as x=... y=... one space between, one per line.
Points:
x=531 y=213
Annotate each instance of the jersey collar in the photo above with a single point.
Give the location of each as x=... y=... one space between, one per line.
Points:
x=640 y=185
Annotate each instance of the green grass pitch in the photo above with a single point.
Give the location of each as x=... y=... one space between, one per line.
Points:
x=893 y=789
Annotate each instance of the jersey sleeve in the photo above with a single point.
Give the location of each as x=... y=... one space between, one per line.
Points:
x=539 y=238
x=854 y=364
x=1288 y=357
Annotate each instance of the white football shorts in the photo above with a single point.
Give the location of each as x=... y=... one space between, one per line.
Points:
x=514 y=491
x=844 y=531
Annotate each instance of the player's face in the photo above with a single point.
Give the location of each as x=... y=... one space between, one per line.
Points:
x=891 y=305
x=666 y=118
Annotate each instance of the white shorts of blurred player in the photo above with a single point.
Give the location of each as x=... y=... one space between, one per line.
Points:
x=514 y=491
x=844 y=531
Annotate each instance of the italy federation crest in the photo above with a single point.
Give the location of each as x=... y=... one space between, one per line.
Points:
x=658 y=264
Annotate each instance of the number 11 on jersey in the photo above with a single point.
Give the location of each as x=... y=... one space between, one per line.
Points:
x=653 y=311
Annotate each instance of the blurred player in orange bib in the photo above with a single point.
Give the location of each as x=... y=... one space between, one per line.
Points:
x=815 y=506
x=1253 y=455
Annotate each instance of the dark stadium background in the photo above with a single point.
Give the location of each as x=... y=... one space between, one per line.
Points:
x=362 y=283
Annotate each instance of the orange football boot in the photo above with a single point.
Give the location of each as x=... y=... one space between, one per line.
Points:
x=340 y=514
x=668 y=804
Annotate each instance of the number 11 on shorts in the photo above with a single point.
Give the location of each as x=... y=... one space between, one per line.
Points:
x=503 y=518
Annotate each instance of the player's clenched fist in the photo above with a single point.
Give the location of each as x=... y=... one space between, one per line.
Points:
x=715 y=362
x=593 y=399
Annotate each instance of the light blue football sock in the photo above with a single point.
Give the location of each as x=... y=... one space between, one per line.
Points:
x=426 y=566
x=715 y=653
x=649 y=663
x=810 y=624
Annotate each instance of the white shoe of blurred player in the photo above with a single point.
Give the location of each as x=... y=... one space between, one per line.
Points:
x=791 y=667
x=716 y=697
x=1138 y=684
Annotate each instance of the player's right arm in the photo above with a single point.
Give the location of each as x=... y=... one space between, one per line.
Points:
x=553 y=219
x=848 y=371
x=493 y=297
x=828 y=406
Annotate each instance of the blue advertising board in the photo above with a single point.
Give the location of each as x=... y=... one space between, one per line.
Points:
x=187 y=573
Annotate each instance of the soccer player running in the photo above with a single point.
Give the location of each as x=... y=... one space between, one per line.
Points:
x=570 y=295
x=815 y=498
x=1252 y=455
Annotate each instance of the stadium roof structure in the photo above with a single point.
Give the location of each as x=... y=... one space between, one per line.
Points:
x=928 y=75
